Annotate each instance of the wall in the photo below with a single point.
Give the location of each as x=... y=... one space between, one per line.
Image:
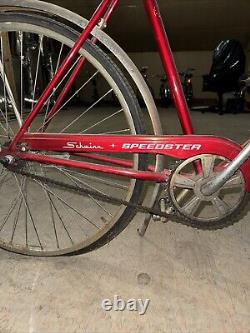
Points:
x=247 y=97
x=200 y=60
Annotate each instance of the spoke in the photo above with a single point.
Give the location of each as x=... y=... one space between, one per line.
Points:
x=29 y=212
x=220 y=206
x=126 y=130
x=102 y=121
x=66 y=204
x=8 y=98
x=77 y=91
x=55 y=90
x=8 y=128
x=191 y=206
x=96 y=179
x=16 y=220
x=12 y=207
x=4 y=180
x=184 y=182
x=7 y=89
x=48 y=190
x=45 y=122
x=57 y=66
x=52 y=218
x=53 y=206
x=61 y=220
x=86 y=184
x=101 y=206
x=26 y=218
x=17 y=214
x=4 y=85
x=75 y=181
x=21 y=72
x=59 y=57
x=65 y=76
x=3 y=136
x=37 y=70
x=235 y=181
x=4 y=129
x=86 y=111
x=207 y=165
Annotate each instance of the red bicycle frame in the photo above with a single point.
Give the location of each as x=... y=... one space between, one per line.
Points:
x=105 y=9
x=179 y=147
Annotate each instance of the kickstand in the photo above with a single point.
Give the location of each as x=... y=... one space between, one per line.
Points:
x=142 y=230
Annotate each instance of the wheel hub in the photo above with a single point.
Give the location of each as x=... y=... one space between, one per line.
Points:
x=198 y=189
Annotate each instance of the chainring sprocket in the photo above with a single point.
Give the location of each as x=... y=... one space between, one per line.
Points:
x=192 y=207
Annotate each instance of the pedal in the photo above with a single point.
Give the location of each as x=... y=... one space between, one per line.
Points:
x=156 y=218
x=165 y=208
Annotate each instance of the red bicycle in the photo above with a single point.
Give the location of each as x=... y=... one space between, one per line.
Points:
x=72 y=179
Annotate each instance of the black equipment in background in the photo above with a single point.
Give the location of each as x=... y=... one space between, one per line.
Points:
x=228 y=66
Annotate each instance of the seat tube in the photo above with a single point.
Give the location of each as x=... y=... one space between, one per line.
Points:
x=153 y=11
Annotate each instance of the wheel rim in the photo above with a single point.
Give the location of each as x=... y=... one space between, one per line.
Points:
x=20 y=230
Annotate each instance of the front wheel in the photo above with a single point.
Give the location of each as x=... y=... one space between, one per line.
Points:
x=37 y=217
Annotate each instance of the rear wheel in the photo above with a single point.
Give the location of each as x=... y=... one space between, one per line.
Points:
x=37 y=218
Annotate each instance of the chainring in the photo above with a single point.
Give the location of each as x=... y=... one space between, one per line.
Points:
x=192 y=207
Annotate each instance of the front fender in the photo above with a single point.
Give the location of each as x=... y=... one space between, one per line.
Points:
x=102 y=37
x=124 y=61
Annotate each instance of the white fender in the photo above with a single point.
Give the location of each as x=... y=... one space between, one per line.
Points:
x=115 y=49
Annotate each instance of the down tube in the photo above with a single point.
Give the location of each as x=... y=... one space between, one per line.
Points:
x=153 y=11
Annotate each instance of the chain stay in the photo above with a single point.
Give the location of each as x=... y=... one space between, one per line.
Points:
x=165 y=210
x=81 y=190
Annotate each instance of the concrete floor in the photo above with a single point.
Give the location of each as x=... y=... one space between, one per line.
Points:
x=196 y=281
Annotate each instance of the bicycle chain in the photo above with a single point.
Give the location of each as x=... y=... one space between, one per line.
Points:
x=98 y=195
x=170 y=210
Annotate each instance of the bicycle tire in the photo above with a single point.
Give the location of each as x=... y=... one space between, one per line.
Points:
x=127 y=97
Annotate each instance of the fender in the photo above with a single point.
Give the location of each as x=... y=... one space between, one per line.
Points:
x=124 y=62
x=103 y=38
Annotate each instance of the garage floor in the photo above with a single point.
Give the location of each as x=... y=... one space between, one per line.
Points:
x=195 y=281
